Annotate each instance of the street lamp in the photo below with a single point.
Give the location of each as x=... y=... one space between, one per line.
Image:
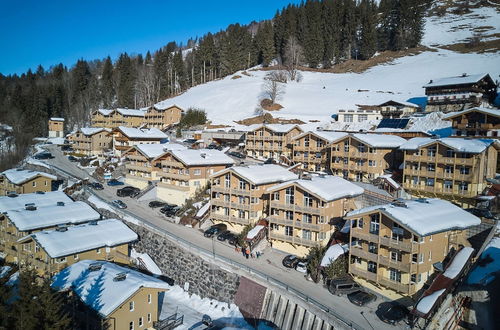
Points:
x=213 y=245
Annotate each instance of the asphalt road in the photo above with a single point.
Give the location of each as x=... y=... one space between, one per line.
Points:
x=269 y=263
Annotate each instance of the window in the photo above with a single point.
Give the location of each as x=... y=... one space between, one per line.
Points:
x=396 y=256
x=464 y=170
x=346 y=146
x=463 y=186
x=374 y=223
x=450 y=153
x=276 y=196
x=197 y=171
x=98 y=251
x=131 y=306
x=429 y=182
x=149 y=298
x=362 y=118
x=289 y=196
x=361 y=148
x=241 y=214
x=45 y=183
x=372 y=163
x=420 y=258
x=395 y=275
x=306 y=234
x=241 y=200
x=431 y=151
x=254 y=200
x=288 y=231
x=372 y=267
x=319 y=144
x=431 y=167
x=321 y=236
x=413 y=278
x=61 y=260
x=308 y=201
x=430 y=255
x=149 y=317
x=289 y=215
x=397 y=232
x=372 y=247
x=414 y=258
x=306 y=142
x=227 y=180
x=242 y=185
x=196 y=183
x=140 y=322
x=307 y=218
x=348 y=118
x=34 y=184
x=75 y=256
x=448 y=169
x=131 y=325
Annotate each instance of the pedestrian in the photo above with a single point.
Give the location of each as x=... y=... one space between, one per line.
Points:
x=258 y=254
x=246 y=254
x=252 y=255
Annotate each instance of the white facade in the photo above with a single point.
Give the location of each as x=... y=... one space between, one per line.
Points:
x=358 y=115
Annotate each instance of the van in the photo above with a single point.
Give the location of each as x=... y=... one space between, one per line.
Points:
x=343 y=285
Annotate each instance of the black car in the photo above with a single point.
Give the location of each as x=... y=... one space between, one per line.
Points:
x=212 y=146
x=232 y=239
x=72 y=159
x=44 y=155
x=342 y=285
x=96 y=186
x=361 y=298
x=392 y=312
x=172 y=212
x=237 y=154
x=168 y=208
x=155 y=204
x=269 y=161
x=290 y=261
x=128 y=191
x=224 y=235
x=215 y=229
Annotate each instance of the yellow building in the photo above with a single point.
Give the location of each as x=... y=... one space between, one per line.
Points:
x=126 y=137
x=111 y=296
x=455 y=169
x=364 y=157
x=393 y=247
x=182 y=173
x=56 y=127
x=311 y=149
x=117 y=117
x=162 y=117
x=475 y=123
x=19 y=181
x=50 y=251
x=91 y=141
x=238 y=193
x=302 y=212
x=271 y=140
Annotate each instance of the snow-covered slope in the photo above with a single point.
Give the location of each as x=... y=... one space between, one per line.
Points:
x=319 y=95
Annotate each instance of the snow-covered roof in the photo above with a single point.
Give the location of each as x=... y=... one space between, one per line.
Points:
x=105 y=112
x=425 y=304
x=254 y=231
x=325 y=135
x=457 y=80
x=331 y=254
x=488 y=111
x=408 y=104
x=52 y=215
x=56 y=119
x=262 y=174
x=153 y=150
x=145 y=260
x=389 y=179
x=425 y=216
x=143 y=133
x=380 y=140
x=39 y=199
x=192 y=157
x=328 y=187
x=85 y=237
x=19 y=176
x=278 y=128
x=203 y=210
x=99 y=289
x=474 y=146
x=93 y=130
x=459 y=262
x=165 y=106
x=131 y=112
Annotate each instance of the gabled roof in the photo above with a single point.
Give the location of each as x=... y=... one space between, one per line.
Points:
x=104 y=112
x=408 y=104
x=474 y=146
x=39 y=199
x=19 y=176
x=379 y=140
x=98 y=289
x=56 y=119
x=278 y=128
x=93 y=130
x=191 y=157
x=154 y=150
x=131 y=112
x=487 y=111
x=328 y=136
x=261 y=174
x=85 y=237
x=327 y=188
x=142 y=133
x=457 y=80
x=424 y=216
x=164 y=106
x=52 y=215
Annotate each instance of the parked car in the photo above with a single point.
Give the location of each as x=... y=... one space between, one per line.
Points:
x=72 y=158
x=269 y=161
x=224 y=235
x=128 y=191
x=114 y=182
x=172 y=212
x=361 y=298
x=155 y=204
x=119 y=204
x=96 y=186
x=232 y=239
x=215 y=229
x=44 y=155
x=301 y=267
x=237 y=154
x=343 y=285
x=290 y=261
x=168 y=208
x=67 y=148
x=392 y=312
x=213 y=146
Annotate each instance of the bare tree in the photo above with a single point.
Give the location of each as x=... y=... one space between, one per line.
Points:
x=294 y=56
x=272 y=87
x=147 y=87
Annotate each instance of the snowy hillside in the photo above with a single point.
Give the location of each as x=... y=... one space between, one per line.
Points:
x=319 y=95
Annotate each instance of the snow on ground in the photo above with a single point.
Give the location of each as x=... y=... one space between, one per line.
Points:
x=33 y=161
x=100 y=204
x=484 y=274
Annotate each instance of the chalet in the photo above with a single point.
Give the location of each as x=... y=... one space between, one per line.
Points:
x=19 y=181
x=91 y=141
x=117 y=117
x=475 y=123
x=271 y=140
x=126 y=137
x=56 y=127
x=162 y=117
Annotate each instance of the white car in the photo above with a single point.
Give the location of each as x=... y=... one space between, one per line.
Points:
x=301 y=267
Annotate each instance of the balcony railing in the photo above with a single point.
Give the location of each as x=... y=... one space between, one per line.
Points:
x=227 y=218
x=234 y=205
x=175 y=176
x=138 y=168
x=300 y=224
x=392 y=243
x=173 y=186
x=296 y=208
x=364 y=235
x=172 y=163
x=397 y=286
x=362 y=273
x=293 y=239
x=358 y=252
x=399 y=265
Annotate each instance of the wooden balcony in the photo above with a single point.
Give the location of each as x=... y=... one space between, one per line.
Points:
x=293 y=239
x=399 y=265
x=139 y=168
x=362 y=273
x=296 y=208
x=396 y=286
x=356 y=233
x=136 y=157
x=170 y=163
x=173 y=186
x=405 y=245
x=319 y=227
x=358 y=252
x=174 y=176
x=227 y=218
x=233 y=205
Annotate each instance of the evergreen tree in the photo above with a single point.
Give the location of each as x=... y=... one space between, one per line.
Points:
x=312 y=35
x=126 y=82
x=106 y=83
x=52 y=314
x=367 y=44
x=265 y=44
x=26 y=308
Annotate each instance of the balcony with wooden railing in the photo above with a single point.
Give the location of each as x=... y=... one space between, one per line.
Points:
x=233 y=205
x=138 y=167
x=360 y=253
x=173 y=186
x=293 y=239
x=171 y=163
x=174 y=176
x=297 y=208
x=228 y=218
x=319 y=227
x=362 y=273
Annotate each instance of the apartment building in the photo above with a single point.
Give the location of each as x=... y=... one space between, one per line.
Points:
x=363 y=113
x=138 y=162
x=56 y=127
x=397 y=109
x=162 y=117
x=271 y=140
x=311 y=149
x=127 y=299
x=19 y=181
x=394 y=246
x=126 y=137
x=49 y=251
x=118 y=117
x=91 y=141
x=475 y=123
x=28 y=213
x=302 y=211
x=460 y=92
x=239 y=197
x=455 y=169
x=182 y=173
x=363 y=157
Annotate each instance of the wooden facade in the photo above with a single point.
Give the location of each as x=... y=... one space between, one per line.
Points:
x=271 y=141
x=475 y=123
x=162 y=118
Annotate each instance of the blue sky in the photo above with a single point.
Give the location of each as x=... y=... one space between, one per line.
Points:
x=50 y=32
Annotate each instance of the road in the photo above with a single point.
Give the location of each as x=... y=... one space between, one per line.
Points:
x=269 y=264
